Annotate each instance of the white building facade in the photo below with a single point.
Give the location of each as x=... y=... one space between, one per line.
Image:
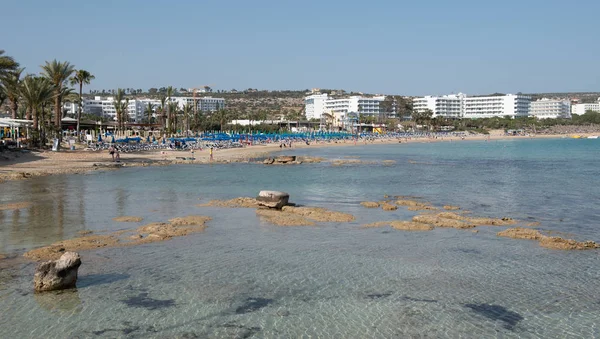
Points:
x=315 y=105
x=447 y=106
x=463 y=106
x=136 y=108
x=318 y=104
x=580 y=109
x=550 y=109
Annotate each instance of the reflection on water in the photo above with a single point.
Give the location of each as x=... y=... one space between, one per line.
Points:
x=59 y=301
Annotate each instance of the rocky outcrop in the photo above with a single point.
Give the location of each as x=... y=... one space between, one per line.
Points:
x=451 y=208
x=282 y=160
x=273 y=199
x=57 y=274
x=414 y=205
x=128 y=219
x=521 y=233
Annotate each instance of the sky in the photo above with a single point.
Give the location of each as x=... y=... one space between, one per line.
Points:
x=426 y=47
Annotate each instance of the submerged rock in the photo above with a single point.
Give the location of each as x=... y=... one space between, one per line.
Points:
x=145 y=234
x=57 y=274
x=556 y=243
x=402 y=225
x=559 y=243
x=451 y=208
x=272 y=199
x=370 y=204
x=15 y=206
x=439 y=221
x=234 y=203
x=128 y=219
x=319 y=214
x=521 y=233
x=410 y=226
x=280 y=218
x=57 y=249
x=388 y=207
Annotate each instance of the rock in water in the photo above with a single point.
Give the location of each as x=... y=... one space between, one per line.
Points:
x=284 y=159
x=273 y=199
x=57 y=274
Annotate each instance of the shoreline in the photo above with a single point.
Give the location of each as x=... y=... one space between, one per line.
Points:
x=35 y=164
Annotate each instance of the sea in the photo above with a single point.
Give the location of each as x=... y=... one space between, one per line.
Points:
x=245 y=278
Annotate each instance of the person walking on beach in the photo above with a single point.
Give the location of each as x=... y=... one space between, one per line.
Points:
x=111 y=151
x=117 y=156
x=211 y=153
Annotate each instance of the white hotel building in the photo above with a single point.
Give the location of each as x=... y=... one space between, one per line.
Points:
x=318 y=104
x=462 y=106
x=550 y=109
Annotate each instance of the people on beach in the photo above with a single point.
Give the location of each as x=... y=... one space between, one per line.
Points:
x=111 y=151
x=211 y=153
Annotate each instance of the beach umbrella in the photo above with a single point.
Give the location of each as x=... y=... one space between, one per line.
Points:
x=153 y=139
x=99 y=138
x=112 y=140
x=148 y=139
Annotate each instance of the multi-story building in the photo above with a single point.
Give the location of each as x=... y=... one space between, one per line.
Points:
x=580 y=109
x=447 y=106
x=509 y=105
x=315 y=105
x=550 y=109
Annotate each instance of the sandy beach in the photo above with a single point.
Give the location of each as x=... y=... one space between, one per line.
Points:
x=20 y=166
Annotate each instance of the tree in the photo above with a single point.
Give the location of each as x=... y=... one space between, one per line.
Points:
x=187 y=111
x=35 y=91
x=221 y=117
x=11 y=82
x=81 y=77
x=153 y=91
x=58 y=73
x=169 y=92
x=149 y=109
x=7 y=64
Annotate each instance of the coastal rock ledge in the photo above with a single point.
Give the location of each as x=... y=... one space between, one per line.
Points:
x=57 y=274
x=273 y=199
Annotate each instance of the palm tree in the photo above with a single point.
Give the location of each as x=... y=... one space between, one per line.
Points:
x=35 y=91
x=11 y=86
x=149 y=109
x=67 y=94
x=169 y=95
x=7 y=64
x=162 y=109
x=58 y=73
x=81 y=77
x=187 y=110
x=221 y=116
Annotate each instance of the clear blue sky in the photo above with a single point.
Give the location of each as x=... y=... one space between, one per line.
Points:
x=392 y=47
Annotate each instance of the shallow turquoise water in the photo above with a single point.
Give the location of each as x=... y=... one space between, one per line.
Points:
x=245 y=278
